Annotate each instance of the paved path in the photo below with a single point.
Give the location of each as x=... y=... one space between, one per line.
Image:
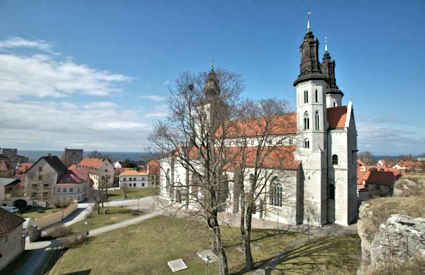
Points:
x=125 y=223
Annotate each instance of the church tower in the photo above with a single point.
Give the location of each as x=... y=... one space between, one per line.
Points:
x=333 y=94
x=311 y=86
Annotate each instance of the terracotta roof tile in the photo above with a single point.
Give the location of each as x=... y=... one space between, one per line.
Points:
x=336 y=117
x=133 y=172
x=280 y=125
x=90 y=162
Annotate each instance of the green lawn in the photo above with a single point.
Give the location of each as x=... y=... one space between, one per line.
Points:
x=145 y=248
x=114 y=195
x=33 y=213
x=114 y=215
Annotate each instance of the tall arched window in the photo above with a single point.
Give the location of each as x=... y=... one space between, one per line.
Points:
x=316 y=121
x=306 y=143
x=335 y=160
x=305 y=96
x=306 y=121
x=276 y=192
x=316 y=96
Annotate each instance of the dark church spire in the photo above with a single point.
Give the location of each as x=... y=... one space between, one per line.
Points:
x=328 y=68
x=212 y=88
x=310 y=66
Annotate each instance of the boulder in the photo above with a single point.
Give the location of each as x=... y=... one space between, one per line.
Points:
x=401 y=238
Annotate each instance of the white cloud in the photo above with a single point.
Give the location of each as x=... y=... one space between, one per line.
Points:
x=18 y=42
x=156 y=98
x=156 y=114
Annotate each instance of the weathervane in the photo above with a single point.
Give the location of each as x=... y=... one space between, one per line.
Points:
x=326 y=43
x=308 y=20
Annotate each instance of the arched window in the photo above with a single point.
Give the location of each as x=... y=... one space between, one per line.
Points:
x=316 y=96
x=334 y=103
x=335 y=160
x=306 y=143
x=306 y=121
x=276 y=192
x=305 y=96
x=316 y=121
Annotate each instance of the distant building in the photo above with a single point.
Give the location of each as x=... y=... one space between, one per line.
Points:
x=131 y=178
x=72 y=156
x=72 y=186
x=9 y=188
x=11 y=154
x=101 y=171
x=12 y=242
x=375 y=181
x=154 y=172
x=5 y=169
x=42 y=177
x=117 y=165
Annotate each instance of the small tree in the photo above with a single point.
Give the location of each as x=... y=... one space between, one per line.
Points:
x=124 y=189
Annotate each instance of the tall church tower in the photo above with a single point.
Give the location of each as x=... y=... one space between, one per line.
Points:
x=311 y=86
x=333 y=94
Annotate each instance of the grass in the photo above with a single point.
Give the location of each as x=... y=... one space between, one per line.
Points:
x=114 y=215
x=146 y=248
x=114 y=195
x=31 y=212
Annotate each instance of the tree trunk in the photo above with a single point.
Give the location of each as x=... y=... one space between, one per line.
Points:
x=247 y=239
x=223 y=266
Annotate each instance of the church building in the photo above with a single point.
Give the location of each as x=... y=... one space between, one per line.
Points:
x=315 y=171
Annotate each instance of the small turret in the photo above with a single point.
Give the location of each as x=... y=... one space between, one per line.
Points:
x=333 y=94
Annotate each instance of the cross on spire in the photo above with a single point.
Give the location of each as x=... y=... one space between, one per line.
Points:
x=308 y=21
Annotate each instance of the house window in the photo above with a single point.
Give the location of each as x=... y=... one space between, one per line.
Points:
x=335 y=160
x=64 y=190
x=306 y=121
x=58 y=190
x=276 y=192
x=316 y=96
x=306 y=143
x=334 y=103
x=71 y=190
x=40 y=177
x=143 y=185
x=291 y=141
x=316 y=120
x=305 y=96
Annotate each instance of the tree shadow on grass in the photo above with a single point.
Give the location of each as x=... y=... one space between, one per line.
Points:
x=305 y=256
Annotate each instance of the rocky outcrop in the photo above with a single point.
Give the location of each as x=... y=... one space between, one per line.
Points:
x=400 y=239
x=393 y=228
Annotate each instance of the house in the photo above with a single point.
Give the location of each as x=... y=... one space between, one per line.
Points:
x=132 y=178
x=9 y=188
x=11 y=154
x=5 y=169
x=42 y=177
x=23 y=167
x=154 y=172
x=12 y=242
x=101 y=171
x=314 y=158
x=117 y=165
x=375 y=181
x=408 y=166
x=72 y=186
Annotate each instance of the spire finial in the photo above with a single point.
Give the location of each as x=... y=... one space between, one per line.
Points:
x=326 y=43
x=212 y=63
x=308 y=21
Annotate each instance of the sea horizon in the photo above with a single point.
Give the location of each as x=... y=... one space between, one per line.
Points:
x=34 y=155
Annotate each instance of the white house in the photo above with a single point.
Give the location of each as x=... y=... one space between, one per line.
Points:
x=12 y=242
x=314 y=166
x=132 y=178
x=71 y=187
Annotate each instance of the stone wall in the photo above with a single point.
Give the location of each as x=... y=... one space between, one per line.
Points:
x=11 y=246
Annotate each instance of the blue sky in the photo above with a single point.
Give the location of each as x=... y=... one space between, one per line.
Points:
x=94 y=74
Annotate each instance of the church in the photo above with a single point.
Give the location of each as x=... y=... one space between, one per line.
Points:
x=315 y=178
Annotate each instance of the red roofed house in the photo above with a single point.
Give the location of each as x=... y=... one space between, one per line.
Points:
x=153 y=171
x=72 y=186
x=313 y=160
x=12 y=242
x=101 y=171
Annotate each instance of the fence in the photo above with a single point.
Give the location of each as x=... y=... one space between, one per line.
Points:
x=56 y=217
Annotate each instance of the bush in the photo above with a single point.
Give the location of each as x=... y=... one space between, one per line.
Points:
x=73 y=240
x=20 y=204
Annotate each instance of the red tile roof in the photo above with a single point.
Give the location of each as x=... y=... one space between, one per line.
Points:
x=70 y=177
x=337 y=117
x=279 y=125
x=90 y=163
x=23 y=167
x=82 y=173
x=8 y=222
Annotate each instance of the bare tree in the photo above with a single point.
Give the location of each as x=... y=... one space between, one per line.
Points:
x=261 y=141
x=124 y=189
x=366 y=157
x=200 y=105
